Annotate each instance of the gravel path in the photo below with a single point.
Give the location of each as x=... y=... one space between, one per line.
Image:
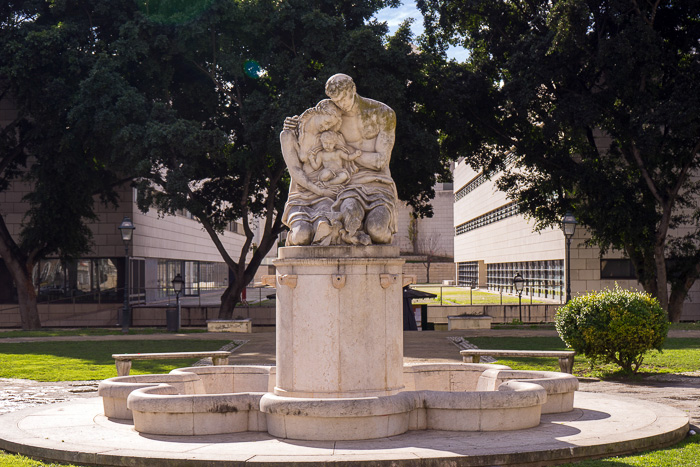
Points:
x=16 y=394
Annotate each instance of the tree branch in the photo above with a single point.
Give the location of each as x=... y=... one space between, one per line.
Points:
x=217 y=242
x=683 y=174
x=645 y=174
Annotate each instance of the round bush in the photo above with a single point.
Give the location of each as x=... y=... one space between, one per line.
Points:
x=613 y=326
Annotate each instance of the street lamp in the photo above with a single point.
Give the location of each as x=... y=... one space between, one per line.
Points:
x=568 y=226
x=519 y=284
x=178 y=282
x=126 y=228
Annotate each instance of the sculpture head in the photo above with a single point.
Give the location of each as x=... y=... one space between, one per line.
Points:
x=329 y=140
x=341 y=90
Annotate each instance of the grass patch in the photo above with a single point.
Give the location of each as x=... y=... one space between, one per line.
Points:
x=91 y=332
x=462 y=296
x=91 y=360
x=686 y=454
x=680 y=355
x=693 y=326
x=14 y=460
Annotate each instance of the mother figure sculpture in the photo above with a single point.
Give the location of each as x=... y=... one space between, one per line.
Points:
x=338 y=155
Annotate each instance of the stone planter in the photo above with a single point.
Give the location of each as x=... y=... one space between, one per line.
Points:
x=230 y=325
x=468 y=322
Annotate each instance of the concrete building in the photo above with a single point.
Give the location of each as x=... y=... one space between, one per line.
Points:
x=434 y=236
x=161 y=248
x=493 y=242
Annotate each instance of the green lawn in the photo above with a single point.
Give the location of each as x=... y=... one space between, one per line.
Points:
x=9 y=460
x=684 y=454
x=90 y=332
x=91 y=360
x=463 y=296
x=679 y=355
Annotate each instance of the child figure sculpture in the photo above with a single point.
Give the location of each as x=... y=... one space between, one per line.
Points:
x=330 y=155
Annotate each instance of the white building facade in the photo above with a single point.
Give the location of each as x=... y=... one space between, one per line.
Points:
x=493 y=242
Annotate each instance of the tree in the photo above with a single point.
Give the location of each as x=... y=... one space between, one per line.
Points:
x=431 y=247
x=220 y=78
x=597 y=100
x=46 y=50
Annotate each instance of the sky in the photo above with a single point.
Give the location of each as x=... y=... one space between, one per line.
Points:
x=395 y=16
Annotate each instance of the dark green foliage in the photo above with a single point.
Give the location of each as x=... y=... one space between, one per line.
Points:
x=597 y=100
x=231 y=75
x=47 y=50
x=613 y=326
x=187 y=99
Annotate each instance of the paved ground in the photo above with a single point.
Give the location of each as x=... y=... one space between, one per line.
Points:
x=680 y=391
x=77 y=432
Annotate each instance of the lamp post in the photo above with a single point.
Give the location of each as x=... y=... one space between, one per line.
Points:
x=568 y=226
x=519 y=283
x=126 y=228
x=178 y=282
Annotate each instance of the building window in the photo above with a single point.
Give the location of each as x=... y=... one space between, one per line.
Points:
x=236 y=227
x=470 y=186
x=85 y=280
x=617 y=269
x=505 y=211
x=543 y=279
x=468 y=274
x=199 y=276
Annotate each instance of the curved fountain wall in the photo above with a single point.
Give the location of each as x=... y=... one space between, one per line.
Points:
x=231 y=399
x=340 y=372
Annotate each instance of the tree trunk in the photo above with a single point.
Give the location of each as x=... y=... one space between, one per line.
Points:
x=675 y=307
x=679 y=292
x=229 y=299
x=28 y=310
x=17 y=265
x=661 y=278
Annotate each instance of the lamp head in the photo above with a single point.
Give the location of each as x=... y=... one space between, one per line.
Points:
x=178 y=282
x=568 y=224
x=126 y=228
x=518 y=282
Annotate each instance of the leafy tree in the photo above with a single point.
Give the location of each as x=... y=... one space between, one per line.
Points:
x=597 y=100
x=189 y=98
x=235 y=71
x=46 y=50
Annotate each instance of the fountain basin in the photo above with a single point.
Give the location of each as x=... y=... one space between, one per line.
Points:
x=232 y=399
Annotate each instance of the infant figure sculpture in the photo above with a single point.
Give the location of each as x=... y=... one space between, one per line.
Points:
x=338 y=154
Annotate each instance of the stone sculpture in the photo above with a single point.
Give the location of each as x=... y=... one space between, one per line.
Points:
x=338 y=155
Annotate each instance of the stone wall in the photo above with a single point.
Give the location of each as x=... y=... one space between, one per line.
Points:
x=500 y=313
x=438 y=272
x=107 y=315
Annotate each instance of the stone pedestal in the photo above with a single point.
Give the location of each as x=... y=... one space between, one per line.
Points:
x=339 y=322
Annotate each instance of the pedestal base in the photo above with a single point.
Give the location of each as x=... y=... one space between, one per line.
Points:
x=339 y=322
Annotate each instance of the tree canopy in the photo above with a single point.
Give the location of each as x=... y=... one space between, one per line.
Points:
x=237 y=69
x=597 y=100
x=47 y=49
x=187 y=98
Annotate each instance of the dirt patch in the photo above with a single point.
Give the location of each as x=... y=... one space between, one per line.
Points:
x=16 y=394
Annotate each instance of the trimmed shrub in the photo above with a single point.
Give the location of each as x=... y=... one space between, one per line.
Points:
x=613 y=326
